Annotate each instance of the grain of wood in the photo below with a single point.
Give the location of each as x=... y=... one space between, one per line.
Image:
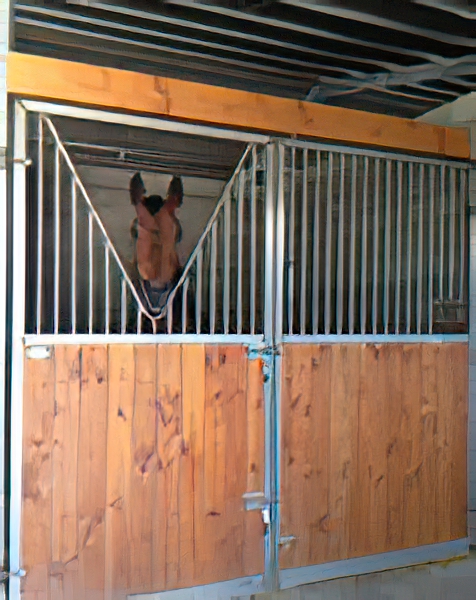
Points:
x=38 y=442
x=65 y=468
x=170 y=444
x=92 y=472
x=121 y=376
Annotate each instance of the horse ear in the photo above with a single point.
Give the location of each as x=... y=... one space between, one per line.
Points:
x=175 y=187
x=136 y=189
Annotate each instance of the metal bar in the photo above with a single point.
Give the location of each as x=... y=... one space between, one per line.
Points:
x=340 y=250
x=254 y=162
x=303 y=266
x=315 y=252
x=123 y=306
x=198 y=294
x=224 y=195
x=291 y=230
x=74 y=252
x=39 y=268
x=353 y=209
x=93 y=211
x=184 y=305
x=280 y=245
x=91 y=272
x=106 y=289
x=57 y=193
x=409 y=249
x=213 y=274
x=256 y=341
x=139 y=321
x=387 y=242
x=452 y=232
x=170 y=312
x=239 y=279
x=328 y=266
x=442 y=221
x=376 y=245
x=269 y=266
x=419 y=282
x=143 y=122
x=363 y=270
x=17 y=357
x=462 y=237
x=376 y=339
x=431 y=224
x=383 y=154
x=398 y=258
x=226 y=264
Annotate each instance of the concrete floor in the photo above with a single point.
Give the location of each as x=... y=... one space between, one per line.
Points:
x=453 y=580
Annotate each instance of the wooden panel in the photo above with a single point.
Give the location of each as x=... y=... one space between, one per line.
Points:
x=391 y=455
x=136 y=459
x=54 y=79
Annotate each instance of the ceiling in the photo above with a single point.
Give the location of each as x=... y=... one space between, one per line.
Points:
x=399 y=57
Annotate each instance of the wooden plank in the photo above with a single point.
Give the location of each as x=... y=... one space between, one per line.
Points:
x=458 y=354
x=193 y=391
x=54 y=79
x=170 y=448
x=343 y=446
x=38 y=441
x=253 y=550
x=65 y=470
x=92 y=473
x=121 y=376
x=143 y=474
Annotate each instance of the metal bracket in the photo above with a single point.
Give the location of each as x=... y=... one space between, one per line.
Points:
x=38 y=352
x=258 y=501
x=286 y=540
x=27 y=162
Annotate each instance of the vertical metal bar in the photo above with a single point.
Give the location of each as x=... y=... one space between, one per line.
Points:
x=431 y=224
x=462 y=238
x=442 y=221
x=123 y=306
x=213 y=275
x=327 y=305
x=57 y=192
x=419 y=283
x=280 y=244
x=340 y=250
x=253 y=244
x=170 y=313
x=226 y=264
x=39 y=268
x=387 y=242
x=269 y=290
x=239 y=282
x=303 y=269
x=409 y=248
x=376 y=245
x=273 y=297
x=198 y=295
x=74 y=252
x=139 y=321
x=17 y=357
x=315 y=251
x=291 y=228
x=184 y=305
x=91 y=270
x=451 y=241
x=106 y=289
x=353 y=210
x=363 y=269
x=398 y=259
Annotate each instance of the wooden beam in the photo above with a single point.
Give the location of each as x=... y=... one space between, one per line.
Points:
x=78 y=83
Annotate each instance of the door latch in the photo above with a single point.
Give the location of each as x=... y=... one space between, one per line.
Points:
x=258 y=501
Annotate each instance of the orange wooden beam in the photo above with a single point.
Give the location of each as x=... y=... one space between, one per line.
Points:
x=78 y=83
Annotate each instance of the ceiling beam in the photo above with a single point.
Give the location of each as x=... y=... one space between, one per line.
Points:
x=89 y=85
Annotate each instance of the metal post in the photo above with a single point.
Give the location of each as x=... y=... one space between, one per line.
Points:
x=253 y=243
x=375 y=246
x=409 y=249
x=315 y=252
x=291 y=230
x=353 y=209
x=57 y=257
x=73 y=254
x=239 y=278
x=387 y=242
x=303 y=269
x=327 y=287
x=18 y=329
x=363 y=279
x=39 y=251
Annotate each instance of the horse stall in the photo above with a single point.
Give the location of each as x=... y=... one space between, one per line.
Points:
x=296 y=411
